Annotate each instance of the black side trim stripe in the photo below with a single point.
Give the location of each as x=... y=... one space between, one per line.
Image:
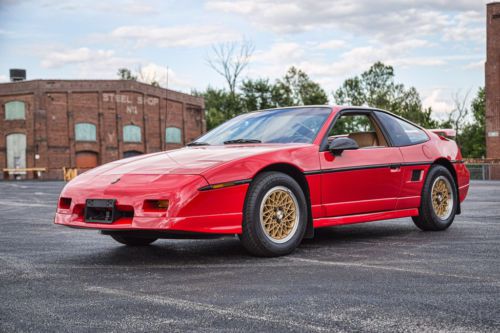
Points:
x=317 y=172
x=226 y=184
x=365 y=167
x=415 y=163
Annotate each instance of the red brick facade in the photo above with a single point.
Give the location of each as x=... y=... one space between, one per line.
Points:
x=493 y=81
x=54 y=107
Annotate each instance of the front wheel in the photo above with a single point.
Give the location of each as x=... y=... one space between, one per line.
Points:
x=275 y=215
x=133 y=241
x=439 y=200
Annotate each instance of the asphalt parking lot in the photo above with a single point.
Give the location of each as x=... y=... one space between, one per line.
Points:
x=382 y=276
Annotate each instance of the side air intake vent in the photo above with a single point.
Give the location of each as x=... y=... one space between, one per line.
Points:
x=415 y=175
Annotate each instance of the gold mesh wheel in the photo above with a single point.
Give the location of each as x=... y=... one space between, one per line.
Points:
x=279 y=214
x=442 y=197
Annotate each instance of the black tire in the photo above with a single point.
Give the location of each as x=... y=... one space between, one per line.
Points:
x=133 y=241
x=428 y=220
x=254 y=238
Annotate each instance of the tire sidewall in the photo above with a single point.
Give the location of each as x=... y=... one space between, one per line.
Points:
x=259 y=188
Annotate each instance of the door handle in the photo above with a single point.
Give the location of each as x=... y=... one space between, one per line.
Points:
x=395 y=167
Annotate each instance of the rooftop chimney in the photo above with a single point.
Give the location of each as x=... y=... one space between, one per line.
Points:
x=17 y=74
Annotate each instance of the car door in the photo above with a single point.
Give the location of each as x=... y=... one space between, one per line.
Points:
x=363 y=180
x=417 y=154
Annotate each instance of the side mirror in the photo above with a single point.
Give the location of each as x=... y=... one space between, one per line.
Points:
x=338 y=145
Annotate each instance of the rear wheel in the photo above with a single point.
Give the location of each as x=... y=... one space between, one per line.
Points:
x=439 y=200
x=133 y=241
x=275 y=215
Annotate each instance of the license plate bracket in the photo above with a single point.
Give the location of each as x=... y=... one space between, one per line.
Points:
x=100 y=211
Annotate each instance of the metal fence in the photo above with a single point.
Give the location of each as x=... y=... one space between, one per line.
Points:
x=484 y=171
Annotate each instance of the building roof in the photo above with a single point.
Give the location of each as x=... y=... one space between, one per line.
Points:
x=29 y=86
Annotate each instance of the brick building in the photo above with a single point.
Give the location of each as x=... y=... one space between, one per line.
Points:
x=493 y=81
x=84 y=123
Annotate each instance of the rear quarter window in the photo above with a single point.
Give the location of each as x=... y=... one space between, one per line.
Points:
x=402 y=133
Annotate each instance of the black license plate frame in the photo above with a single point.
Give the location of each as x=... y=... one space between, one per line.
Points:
x=100 y=211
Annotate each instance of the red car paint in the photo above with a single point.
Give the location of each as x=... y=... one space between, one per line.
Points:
x=358 y=186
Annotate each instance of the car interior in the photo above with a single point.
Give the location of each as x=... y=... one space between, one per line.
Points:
x=361 y=128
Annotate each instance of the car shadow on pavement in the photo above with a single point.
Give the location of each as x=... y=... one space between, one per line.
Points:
x=228 y=250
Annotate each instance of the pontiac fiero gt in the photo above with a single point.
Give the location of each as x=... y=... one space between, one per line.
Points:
x=273 y=176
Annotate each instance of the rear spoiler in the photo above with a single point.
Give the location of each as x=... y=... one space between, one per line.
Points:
x=445 y=132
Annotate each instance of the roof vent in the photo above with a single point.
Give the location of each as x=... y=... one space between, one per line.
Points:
x=17 y=74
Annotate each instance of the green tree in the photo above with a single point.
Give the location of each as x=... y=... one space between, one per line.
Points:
x=472 y=137
x=220 y=105
x=376 y=88
x=296 y=88
x=126 y=74
x=257 y=94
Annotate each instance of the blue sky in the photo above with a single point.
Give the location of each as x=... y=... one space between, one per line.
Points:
x=438 y=46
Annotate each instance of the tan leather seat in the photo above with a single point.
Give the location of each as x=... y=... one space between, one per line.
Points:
x=364 y=139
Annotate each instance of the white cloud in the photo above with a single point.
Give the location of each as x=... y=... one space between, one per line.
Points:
x=475 y=65
x=111 y=7
x=276 y=60
x=103 y=64
x=466 y=26
x=390 y=20
x=56 y=59
x=279 y=52
x=134 y=7
x=175 y=36
x=331 y=44
x=4 y=78
x=441 y=107
x=150 y=72
x=89 y=63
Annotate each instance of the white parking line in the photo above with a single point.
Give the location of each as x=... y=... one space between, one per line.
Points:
x=26 y=204
x=229 y=313
x=390 y=268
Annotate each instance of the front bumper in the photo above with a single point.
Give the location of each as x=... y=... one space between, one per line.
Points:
x=216 y=211
x=229 y=223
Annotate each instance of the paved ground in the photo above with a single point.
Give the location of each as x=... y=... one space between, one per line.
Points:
x=384 y=276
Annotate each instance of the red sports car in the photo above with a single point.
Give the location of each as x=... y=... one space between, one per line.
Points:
x=272 y=177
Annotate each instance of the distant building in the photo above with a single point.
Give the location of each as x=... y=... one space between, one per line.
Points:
x=493 y=81
x=84 y=123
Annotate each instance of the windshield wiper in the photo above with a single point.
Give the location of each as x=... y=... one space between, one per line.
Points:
x=228 y=142
x=198 y=143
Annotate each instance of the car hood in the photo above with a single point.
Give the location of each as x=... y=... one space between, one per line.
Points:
x=188 y=160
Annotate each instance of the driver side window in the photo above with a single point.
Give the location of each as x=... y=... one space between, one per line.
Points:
x=359 y=127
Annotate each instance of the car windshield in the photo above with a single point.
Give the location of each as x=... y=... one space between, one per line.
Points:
x=290 y=125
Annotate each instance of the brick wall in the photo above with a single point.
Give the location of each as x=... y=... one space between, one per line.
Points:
x=53 y=108
x=493 y=81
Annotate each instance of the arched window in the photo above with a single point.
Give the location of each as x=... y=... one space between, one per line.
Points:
x=131 y=133
x=131 y=153
x=15 y=110
x=85 y=132
x=173 y=135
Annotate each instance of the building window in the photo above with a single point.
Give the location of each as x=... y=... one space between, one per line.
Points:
x=131 y=153
x=15 y=110
x=131 y=133
x=16 y=151
x=173 y=135
x=85 y=132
